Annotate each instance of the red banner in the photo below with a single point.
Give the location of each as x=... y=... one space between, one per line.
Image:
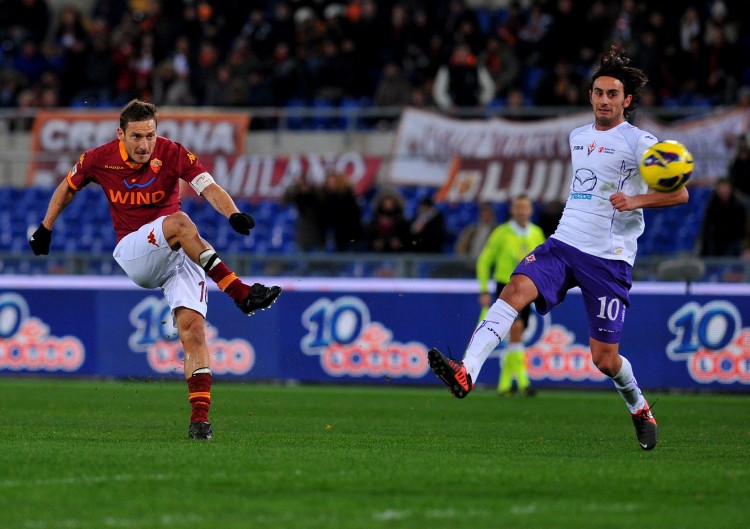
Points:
x=60 y=137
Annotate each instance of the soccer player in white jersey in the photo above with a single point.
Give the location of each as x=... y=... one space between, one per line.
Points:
x=593 y=247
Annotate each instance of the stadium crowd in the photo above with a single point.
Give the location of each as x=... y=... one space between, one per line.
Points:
x=384 y=53
x=389 y=53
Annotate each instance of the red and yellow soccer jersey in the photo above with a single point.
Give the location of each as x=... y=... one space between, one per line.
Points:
x=137 y=193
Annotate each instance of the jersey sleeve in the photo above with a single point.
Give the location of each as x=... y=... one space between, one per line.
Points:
x=645 y=141
x=188 y=165
x=77 y=176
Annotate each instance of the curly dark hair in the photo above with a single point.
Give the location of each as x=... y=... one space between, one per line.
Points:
x=137 y=110
x=614 y=63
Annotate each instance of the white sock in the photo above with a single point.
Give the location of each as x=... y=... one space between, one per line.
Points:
x=627 y=386
x=487 y=335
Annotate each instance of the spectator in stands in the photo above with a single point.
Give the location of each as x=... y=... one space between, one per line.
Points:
x=11 y=84
x=307 y=198
x=560 y=86
x=111 y=11
x=282 y=25
x=722 y=69
x=171 y=88
x=218 y=88
x=462 y=82
x=533 y=32
x=206 y=70
x=28 y=19
x=30 y=61
x=502 y=64
x=289 y=77
x=71 y=38
x=342 y=214
x=393 y=90
x=698 y=50
x=690 y=27
x=388 y=229
x=259 y=32
x=99 y=72
x=739 y=170
x=144 y=64
x=472 y=238
x=556 y=42
x=724 y=223
x=427 y=229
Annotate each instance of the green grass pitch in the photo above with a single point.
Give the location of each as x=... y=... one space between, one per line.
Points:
x=97 y=454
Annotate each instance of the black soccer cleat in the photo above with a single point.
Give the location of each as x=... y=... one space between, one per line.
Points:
x=260 y=298
x=451 y=372
x=201 y=431
x=645 y=428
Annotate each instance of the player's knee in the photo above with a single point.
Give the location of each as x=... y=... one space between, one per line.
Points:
x=179 y=225
x=194 y=334
x=191 y=327
x=519 y=292
x=606 y=362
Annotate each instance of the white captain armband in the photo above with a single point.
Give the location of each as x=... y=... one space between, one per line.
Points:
x=201 y=182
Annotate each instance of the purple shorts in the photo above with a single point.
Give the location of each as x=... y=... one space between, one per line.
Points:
x=556 y=267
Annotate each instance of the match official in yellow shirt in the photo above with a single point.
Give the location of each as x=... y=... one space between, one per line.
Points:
x=507 y=245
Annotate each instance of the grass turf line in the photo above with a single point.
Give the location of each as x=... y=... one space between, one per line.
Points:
x=78 y=454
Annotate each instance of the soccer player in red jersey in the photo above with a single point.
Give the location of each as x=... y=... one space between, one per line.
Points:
x=158 y=246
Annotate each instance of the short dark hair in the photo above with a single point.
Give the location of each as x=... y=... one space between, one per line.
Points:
x=614 y=63
x=137 y=110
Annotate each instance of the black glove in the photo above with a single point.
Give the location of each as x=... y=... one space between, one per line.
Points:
x=40 y=240
x=241 y=223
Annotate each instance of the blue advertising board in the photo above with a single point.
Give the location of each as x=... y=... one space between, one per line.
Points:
x=364 y=330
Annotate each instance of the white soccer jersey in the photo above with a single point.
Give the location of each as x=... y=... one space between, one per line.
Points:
x=604 y=162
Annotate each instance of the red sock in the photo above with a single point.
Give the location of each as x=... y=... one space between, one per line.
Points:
x=229 y=282
x=199 y=395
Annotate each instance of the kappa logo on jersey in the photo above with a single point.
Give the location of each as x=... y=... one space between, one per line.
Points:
x=155 y=165
x=592 y=147
x=152 y=238
x=191 y=157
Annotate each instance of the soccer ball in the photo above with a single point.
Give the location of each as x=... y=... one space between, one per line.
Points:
x=666 y=166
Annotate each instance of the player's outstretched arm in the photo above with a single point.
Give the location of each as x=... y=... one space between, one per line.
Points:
x=40 y=240
x=224 y=204
x=652 y=199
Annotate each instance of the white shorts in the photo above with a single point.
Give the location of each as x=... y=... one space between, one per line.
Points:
x=149 y=262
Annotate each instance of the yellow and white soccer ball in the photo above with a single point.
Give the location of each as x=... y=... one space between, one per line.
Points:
x=666 y=166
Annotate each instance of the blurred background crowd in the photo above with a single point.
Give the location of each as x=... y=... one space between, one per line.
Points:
x=449 y=53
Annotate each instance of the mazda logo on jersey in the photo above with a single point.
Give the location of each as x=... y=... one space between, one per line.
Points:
x=584 y=180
